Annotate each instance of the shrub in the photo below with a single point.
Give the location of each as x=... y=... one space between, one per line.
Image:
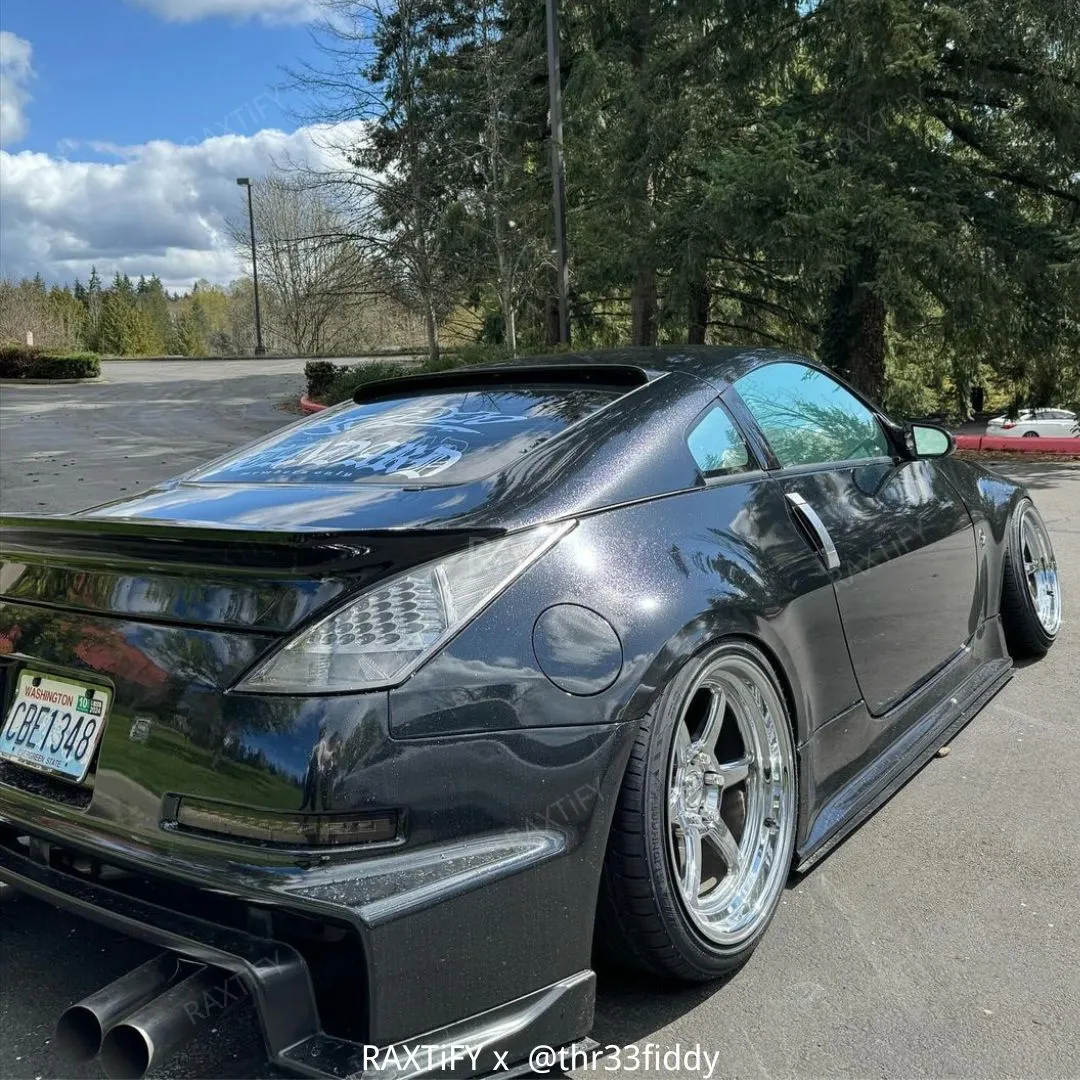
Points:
x=27 y=362
x=320 y=374
x=347 y=379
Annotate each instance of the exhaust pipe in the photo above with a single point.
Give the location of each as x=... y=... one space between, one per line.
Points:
x=161 y=1026
x=82 y=1028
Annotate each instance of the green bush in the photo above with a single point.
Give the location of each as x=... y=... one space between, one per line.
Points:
x=27 y=362
x=320 y=374
x=348 y=379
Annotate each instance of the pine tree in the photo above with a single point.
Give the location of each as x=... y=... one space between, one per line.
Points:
x=908 y=171
x=114 y=323
x=95 y=303
x=154 y=307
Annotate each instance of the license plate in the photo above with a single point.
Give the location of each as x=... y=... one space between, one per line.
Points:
x=54 y=724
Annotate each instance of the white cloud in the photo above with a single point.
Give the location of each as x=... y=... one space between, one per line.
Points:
x=161 y=208
x=16 y=71
x=272 y=11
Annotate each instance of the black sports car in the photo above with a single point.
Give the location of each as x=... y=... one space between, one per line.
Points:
x=385 y=717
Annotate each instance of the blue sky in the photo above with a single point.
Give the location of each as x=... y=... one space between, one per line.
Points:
x=124 y=124
x=117 y=72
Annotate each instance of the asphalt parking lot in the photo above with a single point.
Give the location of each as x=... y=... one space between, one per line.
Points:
x=942 y=939
x=63 y=448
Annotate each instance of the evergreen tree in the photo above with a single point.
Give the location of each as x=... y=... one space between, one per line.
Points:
x=154 y=307
x=95 y=303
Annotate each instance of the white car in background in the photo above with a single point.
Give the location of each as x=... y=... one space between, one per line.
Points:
x=1055 y=423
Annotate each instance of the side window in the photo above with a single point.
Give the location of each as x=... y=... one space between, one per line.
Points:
x=716 y=444
x=809 y=418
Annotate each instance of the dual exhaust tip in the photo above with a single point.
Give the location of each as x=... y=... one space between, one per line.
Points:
x=145 y=1016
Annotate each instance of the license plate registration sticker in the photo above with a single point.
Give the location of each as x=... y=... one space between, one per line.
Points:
x=54 y=724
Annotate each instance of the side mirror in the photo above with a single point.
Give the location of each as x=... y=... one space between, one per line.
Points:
x=929 y=441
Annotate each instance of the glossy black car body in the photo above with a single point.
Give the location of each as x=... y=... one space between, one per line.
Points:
x=499 y=761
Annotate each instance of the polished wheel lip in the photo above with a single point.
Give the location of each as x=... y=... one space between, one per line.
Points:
x=730 y=908
x=1040 y=571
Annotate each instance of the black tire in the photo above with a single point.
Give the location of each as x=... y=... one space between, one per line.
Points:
x=1025 y=633
x=1030 y=435
x=641 y=920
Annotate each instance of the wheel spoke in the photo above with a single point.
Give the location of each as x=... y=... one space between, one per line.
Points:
x=719 y=836
x=690 y=871
x=730 y=773
x=714 y=721
x=682 y=740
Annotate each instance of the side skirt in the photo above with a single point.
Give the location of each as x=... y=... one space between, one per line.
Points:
x=946 y=704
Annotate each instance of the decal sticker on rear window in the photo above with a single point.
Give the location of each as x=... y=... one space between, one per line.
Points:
x=449 y=437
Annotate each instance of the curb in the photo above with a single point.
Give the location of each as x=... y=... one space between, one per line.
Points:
x=309 y=406
x=51 y=382
x=1040 y=445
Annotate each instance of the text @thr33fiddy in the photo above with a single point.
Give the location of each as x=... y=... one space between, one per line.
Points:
x=645 y=1059
x=648 y=1059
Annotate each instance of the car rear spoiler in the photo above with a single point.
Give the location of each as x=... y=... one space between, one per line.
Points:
x=103 y=540
x=608 y=376
x=162 y=572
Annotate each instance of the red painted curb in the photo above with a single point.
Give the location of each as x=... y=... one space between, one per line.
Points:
x=1040 y=445
x=309 y=406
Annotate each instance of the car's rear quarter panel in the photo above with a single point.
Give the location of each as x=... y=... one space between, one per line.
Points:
x=669 y=575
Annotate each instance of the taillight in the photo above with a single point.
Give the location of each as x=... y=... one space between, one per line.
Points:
x=1008 y=424
x=384 y=634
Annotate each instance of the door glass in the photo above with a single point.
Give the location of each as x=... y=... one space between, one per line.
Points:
x=716 y=444
x=809 y=418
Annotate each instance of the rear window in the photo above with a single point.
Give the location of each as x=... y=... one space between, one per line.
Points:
x=450 y=437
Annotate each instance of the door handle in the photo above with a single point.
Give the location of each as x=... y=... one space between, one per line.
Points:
x=810 y=517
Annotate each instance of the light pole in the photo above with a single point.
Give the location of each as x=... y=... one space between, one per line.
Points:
x=558 y=173
x=260 y=349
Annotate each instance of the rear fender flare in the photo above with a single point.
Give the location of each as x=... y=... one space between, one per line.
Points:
x=708 y=631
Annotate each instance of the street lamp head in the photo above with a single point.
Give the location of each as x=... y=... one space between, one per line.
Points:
x=243 y=181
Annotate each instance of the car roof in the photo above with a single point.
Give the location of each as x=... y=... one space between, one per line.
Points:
x=713 y=363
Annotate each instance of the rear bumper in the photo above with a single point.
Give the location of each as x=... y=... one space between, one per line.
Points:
x=419 y=938
x=476 y=917
x=277 y=976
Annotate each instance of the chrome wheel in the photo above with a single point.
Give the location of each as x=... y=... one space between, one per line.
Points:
x=1040 y=571
x=731 y=799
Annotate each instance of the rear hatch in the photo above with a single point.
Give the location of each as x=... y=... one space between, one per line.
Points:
x=120 y=639
x=434 y=451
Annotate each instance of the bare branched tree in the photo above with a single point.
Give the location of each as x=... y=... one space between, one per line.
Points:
x=391 y=185
x=311 y=271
